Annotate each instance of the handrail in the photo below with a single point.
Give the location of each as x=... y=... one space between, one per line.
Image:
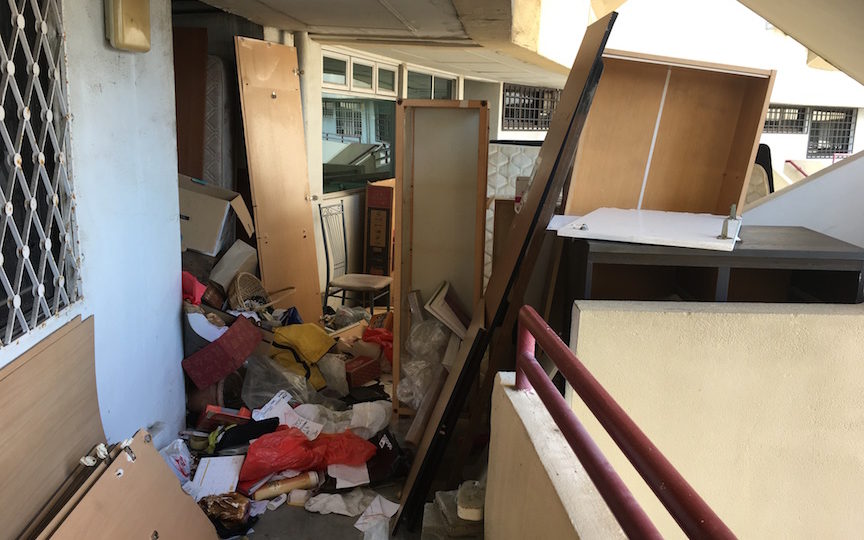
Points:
x=797 y=168
x=692 y=514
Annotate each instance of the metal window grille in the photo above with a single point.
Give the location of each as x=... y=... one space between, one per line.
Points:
x=383 y=121
x=349 y=118
x=832 y=132
x=786 y=119
x=528 y=108
x=39 y=260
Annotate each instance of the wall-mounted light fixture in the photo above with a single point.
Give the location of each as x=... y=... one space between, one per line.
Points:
x=127 y=24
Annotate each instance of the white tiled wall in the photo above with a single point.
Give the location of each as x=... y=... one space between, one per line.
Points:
x=506 y=162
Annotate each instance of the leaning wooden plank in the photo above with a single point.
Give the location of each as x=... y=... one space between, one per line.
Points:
x=137 y=498
x=510 y=278
x=276 y=151
x=421 y=420
x=442 y=422
x=48 y=394
x=554 y=163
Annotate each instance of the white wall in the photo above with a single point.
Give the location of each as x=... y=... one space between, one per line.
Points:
x=536 y=486
x=124 y=160
x=758 y=406
x=828 y=201
x=725 y=31
x=491 y=92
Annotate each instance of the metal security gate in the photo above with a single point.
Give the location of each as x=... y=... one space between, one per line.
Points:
x=39 y=260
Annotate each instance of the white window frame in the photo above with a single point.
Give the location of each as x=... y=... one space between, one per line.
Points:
x=458 y=84
x=348 y=74
x=369 y=64
x=389 y=67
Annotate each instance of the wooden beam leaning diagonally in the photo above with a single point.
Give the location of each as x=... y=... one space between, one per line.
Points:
x=556 y=157
x=510 y=278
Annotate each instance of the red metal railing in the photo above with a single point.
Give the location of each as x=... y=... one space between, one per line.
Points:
x=692 y=514
x=797 y=168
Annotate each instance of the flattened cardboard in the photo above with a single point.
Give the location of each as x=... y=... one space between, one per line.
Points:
x=240 y=257
x=204 y=214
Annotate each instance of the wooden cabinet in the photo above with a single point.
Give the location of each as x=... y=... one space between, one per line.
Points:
x=669 y=134
x=770 y=264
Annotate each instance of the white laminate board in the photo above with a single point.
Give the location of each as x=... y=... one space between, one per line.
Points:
x=678 y=229
x=445 y=200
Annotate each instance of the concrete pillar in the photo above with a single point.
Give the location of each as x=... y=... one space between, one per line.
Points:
x=309 y=60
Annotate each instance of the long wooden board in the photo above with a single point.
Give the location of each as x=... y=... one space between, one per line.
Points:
x=49 y=418
x=510 y=277
x=137 y=499
x=442 y=422
x=276 y=151
x=554 y=164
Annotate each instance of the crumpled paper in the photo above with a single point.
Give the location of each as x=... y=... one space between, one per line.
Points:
x=375 y=520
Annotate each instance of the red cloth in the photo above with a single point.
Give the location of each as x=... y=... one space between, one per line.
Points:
x=288 y=448
x=225 y=355
x=382 y=337
x=192 y=288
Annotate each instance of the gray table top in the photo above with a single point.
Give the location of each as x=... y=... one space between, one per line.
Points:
x=756 y=242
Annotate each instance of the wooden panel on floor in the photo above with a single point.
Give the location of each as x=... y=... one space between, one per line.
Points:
x=190 y=80
x=137 y=499
x=276 y=150
x=49 y=418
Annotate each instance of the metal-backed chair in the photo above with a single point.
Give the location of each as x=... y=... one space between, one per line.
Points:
x=369 y=287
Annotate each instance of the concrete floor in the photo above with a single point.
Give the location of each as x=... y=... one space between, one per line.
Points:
x=298 y=524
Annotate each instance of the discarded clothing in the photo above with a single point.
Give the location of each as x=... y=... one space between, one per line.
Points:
x=299 y=347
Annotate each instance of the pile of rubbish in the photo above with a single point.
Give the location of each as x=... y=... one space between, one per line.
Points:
x=282 y=412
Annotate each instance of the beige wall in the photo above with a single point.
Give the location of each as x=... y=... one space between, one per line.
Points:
x=536 y=488
x=759 y=406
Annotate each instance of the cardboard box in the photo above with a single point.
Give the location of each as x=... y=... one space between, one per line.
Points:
x=204 y=211
x=240 y=257
x=378 y=245
x=361 y=370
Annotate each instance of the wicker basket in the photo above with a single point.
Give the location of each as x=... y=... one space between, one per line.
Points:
x=246 y=293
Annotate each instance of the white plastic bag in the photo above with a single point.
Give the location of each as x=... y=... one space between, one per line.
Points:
x=370 y=418
x=332 y=367
x=179 y=459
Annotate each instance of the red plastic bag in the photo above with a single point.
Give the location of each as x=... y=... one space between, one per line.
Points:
x=382 y=337
x=193 y=289
x=288 y=448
